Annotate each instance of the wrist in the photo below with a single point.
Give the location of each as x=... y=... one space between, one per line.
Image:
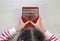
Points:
x=12 y=31
x=42 y=30
x=17 y=29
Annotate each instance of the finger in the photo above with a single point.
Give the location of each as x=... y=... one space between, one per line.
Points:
x=21 y=19
x=39 y=20
x=27 y=22
x=39 y=16
x=32 y=22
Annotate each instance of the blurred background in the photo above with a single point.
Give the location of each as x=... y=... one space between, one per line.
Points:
x=49 y=10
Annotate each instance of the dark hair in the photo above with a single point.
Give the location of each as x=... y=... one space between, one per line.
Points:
x=31 y=34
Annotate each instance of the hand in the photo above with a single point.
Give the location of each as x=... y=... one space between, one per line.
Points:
x=21 y=25
x=38 y=25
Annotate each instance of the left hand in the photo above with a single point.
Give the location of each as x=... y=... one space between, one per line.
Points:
x=21 y=25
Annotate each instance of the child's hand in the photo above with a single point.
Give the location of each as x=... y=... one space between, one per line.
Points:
x=38 y=25
x=21 y=25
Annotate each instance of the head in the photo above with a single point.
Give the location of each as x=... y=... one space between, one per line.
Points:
x=31 y=34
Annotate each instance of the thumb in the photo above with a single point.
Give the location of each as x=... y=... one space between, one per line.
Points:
x=32 y=22
x=27 y=22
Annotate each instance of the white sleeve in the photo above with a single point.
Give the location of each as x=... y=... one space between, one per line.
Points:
x=50 y=37
x=7 y=34
x=12 y=31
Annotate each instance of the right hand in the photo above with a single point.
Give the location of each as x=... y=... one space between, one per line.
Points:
x=38 y=25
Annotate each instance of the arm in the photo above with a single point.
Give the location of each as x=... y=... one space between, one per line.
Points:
x=48 y=36
x=8 y=34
